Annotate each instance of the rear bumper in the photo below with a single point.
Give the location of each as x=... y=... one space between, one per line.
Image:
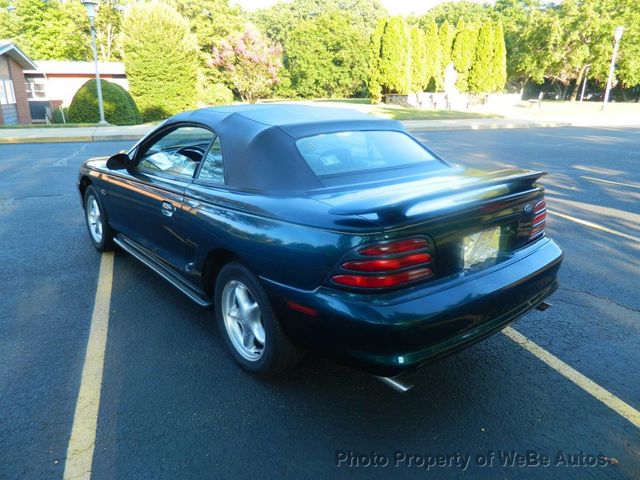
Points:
x=391 y=333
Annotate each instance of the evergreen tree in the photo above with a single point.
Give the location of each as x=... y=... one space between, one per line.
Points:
x=446 y=35
x=433 y=54
x=480 y=78
x=395 y=57
x=327 y=57
x=419 y=80
x=464 y=52
x=374 y=76
x=499 y=64
x=161 y=59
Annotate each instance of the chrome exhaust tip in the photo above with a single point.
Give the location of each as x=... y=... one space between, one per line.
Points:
x=395 y=384
x=542 y=306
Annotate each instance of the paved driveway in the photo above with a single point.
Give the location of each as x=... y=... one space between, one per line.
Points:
x=174 y=405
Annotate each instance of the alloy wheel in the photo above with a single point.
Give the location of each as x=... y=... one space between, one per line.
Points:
x=243 y=320
x=94 y=219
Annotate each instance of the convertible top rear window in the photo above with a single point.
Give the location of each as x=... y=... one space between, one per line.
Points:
x=356 y=151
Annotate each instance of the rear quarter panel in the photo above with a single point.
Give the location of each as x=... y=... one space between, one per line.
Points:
x=288 y=240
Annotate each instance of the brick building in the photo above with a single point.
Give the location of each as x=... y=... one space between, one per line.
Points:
x=14 y=102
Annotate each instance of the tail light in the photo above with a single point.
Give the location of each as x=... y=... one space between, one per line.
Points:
x=387 y=265
x=539 y=219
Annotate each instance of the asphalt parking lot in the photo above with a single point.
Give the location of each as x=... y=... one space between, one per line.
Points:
x=174 y=405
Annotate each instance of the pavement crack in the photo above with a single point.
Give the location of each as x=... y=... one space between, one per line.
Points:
x=28 y=197
x=599 y=297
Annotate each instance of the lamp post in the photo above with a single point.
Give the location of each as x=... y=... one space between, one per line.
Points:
x=584 y=83
x=617 y=35
x=92 y=6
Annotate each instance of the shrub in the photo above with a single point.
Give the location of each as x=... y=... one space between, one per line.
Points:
x=250 y=63
x=214 y=94
x=57 y=115
x=119 y=107
x=161 y=59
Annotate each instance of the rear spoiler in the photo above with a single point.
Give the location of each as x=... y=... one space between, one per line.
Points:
x=400 y=202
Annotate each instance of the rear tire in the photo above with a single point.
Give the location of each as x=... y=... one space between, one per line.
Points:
x=100 y=233
x=248 y=325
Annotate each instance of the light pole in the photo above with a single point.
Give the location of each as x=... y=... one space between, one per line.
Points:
x=617 y=35
x=91 y=6
x=584 y=84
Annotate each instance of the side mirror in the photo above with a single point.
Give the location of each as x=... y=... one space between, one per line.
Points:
x=119 y=161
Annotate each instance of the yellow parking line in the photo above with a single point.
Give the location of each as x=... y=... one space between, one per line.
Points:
x=611 y=182
x=85 y=420
x=595 y=225
x=609 y=399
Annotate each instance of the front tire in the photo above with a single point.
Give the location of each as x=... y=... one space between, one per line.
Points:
x=100 y=232
x=248 y=325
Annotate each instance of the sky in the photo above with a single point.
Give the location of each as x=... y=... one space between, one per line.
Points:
x=394 y=7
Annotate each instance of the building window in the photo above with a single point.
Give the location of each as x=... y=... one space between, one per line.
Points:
x=36 y=89
x=7 y=95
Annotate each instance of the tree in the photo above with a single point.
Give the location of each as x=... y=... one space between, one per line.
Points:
x=280 y=19
x=373 y=65
x=161 y=60
x=464 y=53
x=395 y=57
x=327 y=57
x=108 y=31
x=446 y=35
x=578 y=35
x=480 y=74
x=49 y=30
x=525 y=40
x=453 y=12
x=628 y=67
x=210 y=20
x=433 y=53
x=250 y=63
x=499 y=59
x=419 y=80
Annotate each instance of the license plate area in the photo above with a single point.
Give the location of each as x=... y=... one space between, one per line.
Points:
x=481 y=249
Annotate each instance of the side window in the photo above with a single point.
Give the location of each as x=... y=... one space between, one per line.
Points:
x=212 y=167
x=178 y=153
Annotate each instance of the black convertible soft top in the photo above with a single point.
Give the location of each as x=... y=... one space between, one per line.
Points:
x=258 y=141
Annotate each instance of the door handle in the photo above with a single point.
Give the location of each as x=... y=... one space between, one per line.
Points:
x=167 y=209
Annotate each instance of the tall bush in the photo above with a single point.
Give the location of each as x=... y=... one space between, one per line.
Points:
x=327 y=57
x=395 y=57
x=161 y=59
x=119 y=107
x=446 y=35
x=480 y=77
x=433 y=55
x=499 y=60
x=374 y=76
x=419 y=79
x=464 y=53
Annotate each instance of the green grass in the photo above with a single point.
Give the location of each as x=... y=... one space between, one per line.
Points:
x=358 y=101
x=397 y=112
x=51 y=125
x=408 y=113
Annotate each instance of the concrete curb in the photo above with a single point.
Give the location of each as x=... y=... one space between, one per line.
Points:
x=78 y=134
x=412 y=125
x=422 y=125
x=69 y=139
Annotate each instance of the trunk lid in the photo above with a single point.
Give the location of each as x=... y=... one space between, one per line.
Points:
x=447 y=207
